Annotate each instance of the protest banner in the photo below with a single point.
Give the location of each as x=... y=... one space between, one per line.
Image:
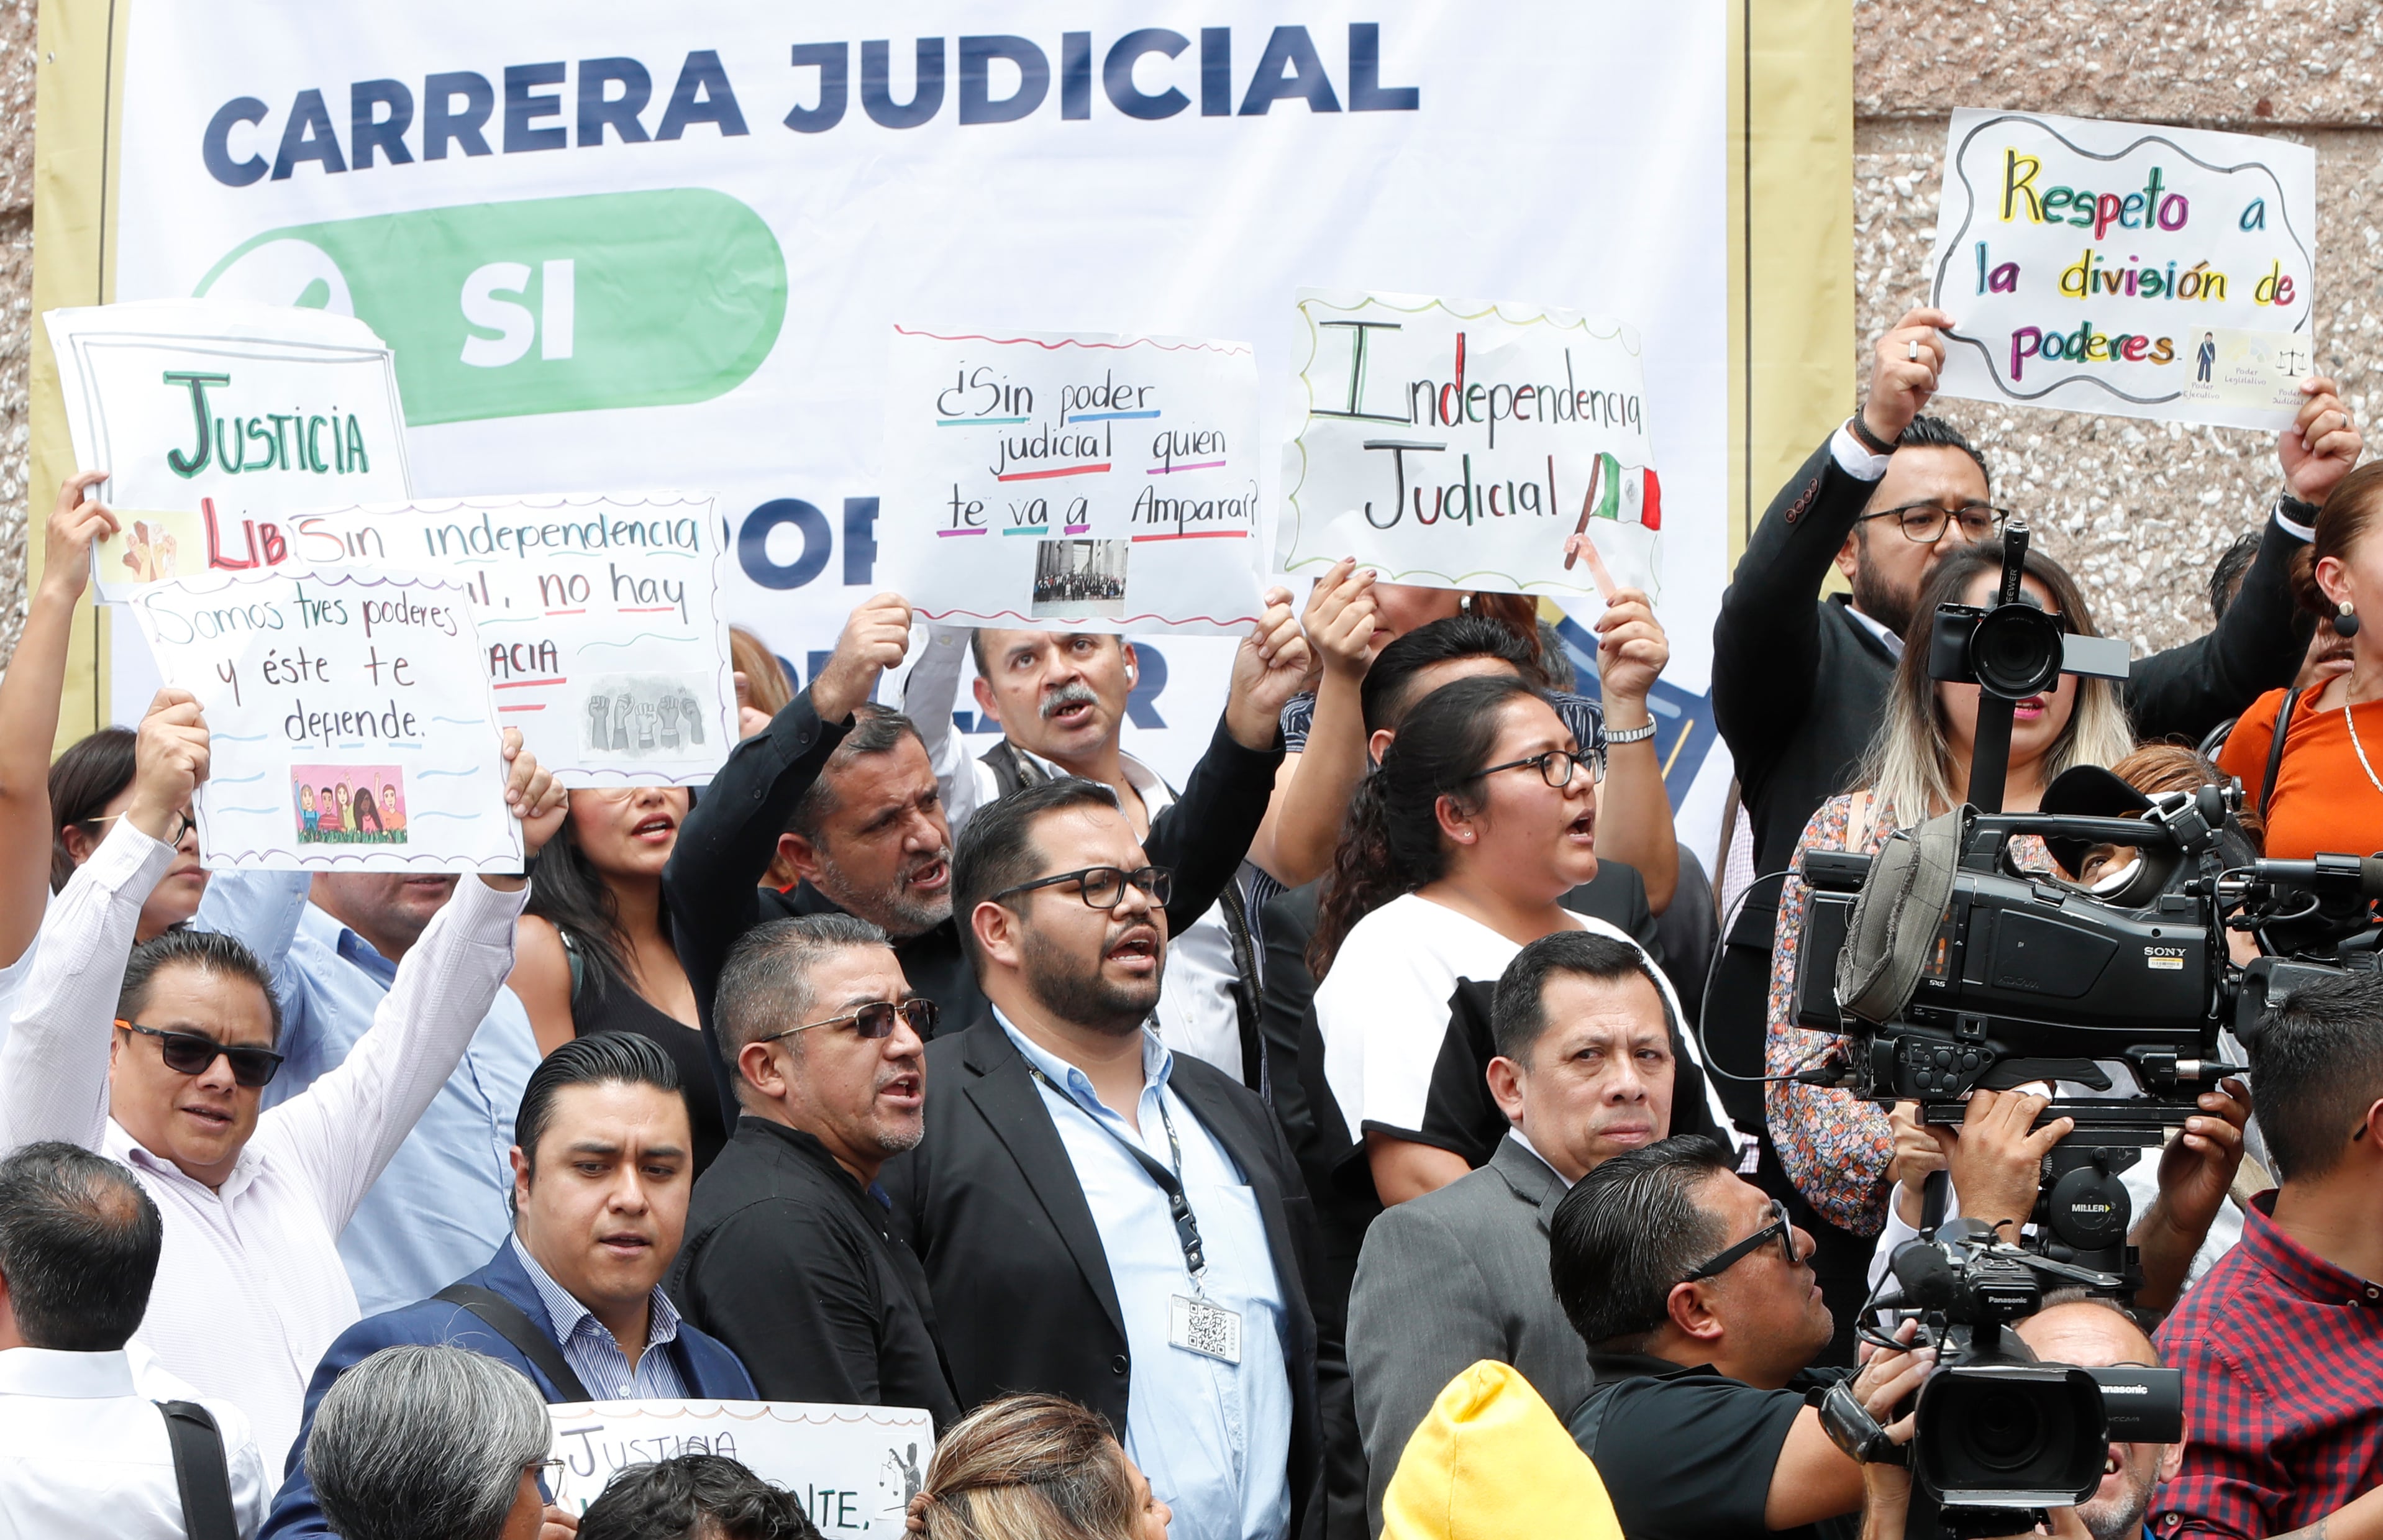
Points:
x=215 y=419
x=627 y=315
x=1091 y=482
x=600 y=614
x=1461 y=444
x=349 y=725
x=856 y=1468
x=2125 y=269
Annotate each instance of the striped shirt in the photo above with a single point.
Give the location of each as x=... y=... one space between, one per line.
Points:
x=589 y=1348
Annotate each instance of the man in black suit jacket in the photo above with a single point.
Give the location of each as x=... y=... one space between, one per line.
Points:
x=1042 y=1199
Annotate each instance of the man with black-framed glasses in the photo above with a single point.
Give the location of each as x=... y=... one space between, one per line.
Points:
x=1696 y=1295
x=789 y=1256
x=1100 y=1216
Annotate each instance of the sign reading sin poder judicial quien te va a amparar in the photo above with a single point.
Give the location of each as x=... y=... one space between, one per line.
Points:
x=2126 y=268
x=1088 y=481
x=1462 y=444
x=351 y=726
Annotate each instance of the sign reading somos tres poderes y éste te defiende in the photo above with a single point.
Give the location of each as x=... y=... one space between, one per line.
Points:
x=2126 y=268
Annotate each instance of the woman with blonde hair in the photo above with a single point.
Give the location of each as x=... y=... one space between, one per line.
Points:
x=1838 y=1152
x=1035 y=1468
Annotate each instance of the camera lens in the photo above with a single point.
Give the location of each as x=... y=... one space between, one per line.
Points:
x=2005 y=1429
x=2017 y=650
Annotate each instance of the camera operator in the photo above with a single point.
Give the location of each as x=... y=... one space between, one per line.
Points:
x=2072 y=1327
x=1698 y=1301
x=1996 y=1157
x=1799 y=684
x=2281 y=1344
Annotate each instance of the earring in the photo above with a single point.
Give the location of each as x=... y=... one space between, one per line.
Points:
x=2346 y=622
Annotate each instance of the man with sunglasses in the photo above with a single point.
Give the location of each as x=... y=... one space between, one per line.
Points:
x=1696 y=1295
x=1100 y=1218
x=1800 y=683
x=789 y=1257
x=158 y=1058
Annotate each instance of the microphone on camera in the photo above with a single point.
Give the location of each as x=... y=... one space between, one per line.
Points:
x=2362 y=875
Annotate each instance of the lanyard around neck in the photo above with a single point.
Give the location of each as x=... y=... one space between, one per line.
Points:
x=1178 y=1206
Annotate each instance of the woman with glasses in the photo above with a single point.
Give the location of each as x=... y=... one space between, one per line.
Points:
x=594 y=950
x=1834 y=1149
x=1457 y=853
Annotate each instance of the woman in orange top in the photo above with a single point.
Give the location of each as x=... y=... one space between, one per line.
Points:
x=2327 y=790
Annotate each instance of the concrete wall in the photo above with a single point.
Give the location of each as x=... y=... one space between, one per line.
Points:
x=2139 y=511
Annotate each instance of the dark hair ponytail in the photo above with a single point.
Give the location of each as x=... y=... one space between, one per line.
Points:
x=2348 y=515
x=1390 y=844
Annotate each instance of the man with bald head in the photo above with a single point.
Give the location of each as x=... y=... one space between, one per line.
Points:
x=2074 y=1327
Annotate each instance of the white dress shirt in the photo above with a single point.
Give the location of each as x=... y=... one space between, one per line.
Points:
x=250 y=1290
x=83 y=1450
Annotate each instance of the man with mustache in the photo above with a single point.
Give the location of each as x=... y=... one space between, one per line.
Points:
x=1584 y=1071
x=1100 y=1218
x=572 y=1298
x=843 y=790
x=789 y=1258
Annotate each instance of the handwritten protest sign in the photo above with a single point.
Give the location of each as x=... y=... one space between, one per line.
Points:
x=214 y=419
x=1095 y=482
x=600 y=615
x=2118 y=268
x=350 y=726
x=856 y=1468
x=1458 y=444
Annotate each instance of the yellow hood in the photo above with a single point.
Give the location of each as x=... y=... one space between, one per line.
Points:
x=1491 y=1462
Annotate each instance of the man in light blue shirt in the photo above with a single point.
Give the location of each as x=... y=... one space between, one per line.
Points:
x=334 y=941
x=1099 y=1217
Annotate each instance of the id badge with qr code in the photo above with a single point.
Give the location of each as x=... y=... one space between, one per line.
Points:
x=1197 y=1327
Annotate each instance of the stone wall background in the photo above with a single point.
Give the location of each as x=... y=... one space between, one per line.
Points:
x=2139 y=511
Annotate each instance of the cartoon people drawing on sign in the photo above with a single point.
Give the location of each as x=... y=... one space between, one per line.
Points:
x=335 y=811
x=346 y=809
x=149 y=551
x=392 y=812
x=367 y=817
x=2205 y=356
x=310 y=821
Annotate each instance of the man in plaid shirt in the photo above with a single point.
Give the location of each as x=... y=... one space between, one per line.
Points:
x=2281 y=1344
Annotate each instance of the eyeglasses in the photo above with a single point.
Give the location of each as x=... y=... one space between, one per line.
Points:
x=183 y=823
x=548 y=1471
x=1778 y=1226
x=191 y=1053
x=876 y=1020
x=1104 y=887
x=1555 y=767
x=1924 y=523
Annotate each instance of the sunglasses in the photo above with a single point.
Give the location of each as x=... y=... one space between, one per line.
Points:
x=876 y=1020
x=190 y=1054
x=1778 y=1227
x=1104 y=887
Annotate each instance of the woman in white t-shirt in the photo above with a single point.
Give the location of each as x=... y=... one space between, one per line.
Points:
x=1481 y=817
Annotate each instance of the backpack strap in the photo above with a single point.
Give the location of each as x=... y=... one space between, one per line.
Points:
x=201 y=1472
x=2276 y=749
x=506 y=1319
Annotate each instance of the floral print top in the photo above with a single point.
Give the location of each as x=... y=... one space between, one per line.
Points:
x=1836 y=1148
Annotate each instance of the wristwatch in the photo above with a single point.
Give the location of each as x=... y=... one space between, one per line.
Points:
x=1851 y=1428
x=1638 y=734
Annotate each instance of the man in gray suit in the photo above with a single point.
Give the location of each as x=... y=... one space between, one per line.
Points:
x=1584 y=1071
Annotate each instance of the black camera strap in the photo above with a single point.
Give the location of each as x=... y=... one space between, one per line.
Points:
x=2276 y=748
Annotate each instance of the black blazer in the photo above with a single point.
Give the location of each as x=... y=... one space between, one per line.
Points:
x=1022 y=1291
x=1799 y=686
